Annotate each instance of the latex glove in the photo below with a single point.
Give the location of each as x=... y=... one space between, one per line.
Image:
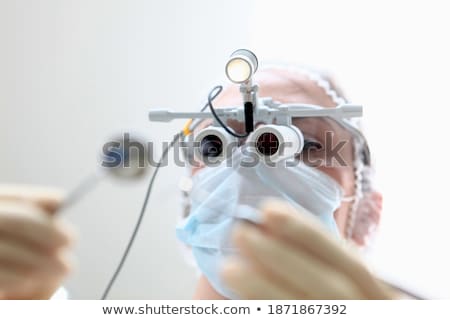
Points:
x=291 y=256
x=33 y=244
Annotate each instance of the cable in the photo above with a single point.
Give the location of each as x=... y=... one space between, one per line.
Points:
x=141 y=216
x=211 y=96
x=402 y=290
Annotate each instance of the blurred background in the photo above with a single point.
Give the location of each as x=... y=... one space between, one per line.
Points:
x=73 y=73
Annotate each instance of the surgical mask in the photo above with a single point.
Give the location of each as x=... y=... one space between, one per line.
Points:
x=234 y=190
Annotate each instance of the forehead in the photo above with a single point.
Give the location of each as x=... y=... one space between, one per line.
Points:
x=285 y=86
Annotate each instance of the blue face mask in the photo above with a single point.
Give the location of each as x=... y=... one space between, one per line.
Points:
x=223 y=195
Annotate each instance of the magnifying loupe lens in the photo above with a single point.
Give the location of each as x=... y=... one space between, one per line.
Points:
x=267 y=144
x=211 y=146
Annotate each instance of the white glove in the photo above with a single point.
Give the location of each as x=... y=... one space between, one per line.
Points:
x=33 y=244
x=290 y=256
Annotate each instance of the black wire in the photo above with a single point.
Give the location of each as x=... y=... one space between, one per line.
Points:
x=403 y=290
x=141 y=216
x=211 y=96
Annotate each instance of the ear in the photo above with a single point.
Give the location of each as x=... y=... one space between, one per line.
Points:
x=368 y=214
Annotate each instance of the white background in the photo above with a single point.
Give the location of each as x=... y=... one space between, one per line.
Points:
x=74 y=72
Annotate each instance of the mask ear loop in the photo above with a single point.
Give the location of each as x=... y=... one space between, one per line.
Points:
x=358 y=176
x=332 y=93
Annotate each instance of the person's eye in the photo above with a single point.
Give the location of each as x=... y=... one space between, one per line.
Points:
x=311 y=144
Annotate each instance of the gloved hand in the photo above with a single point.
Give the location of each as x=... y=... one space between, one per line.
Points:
x=33 y=244
x=290 y=256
